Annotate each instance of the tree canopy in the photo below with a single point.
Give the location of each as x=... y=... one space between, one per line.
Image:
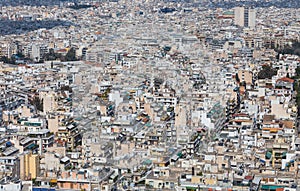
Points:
x=294 y=49
x=267 y=72
x=70 y=56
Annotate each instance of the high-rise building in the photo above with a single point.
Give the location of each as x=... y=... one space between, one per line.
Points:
x=244 y=17
x=29 y=166
x=239 y=16
x=251 y=18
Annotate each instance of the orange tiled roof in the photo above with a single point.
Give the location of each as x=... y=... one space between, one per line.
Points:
x=285 y=79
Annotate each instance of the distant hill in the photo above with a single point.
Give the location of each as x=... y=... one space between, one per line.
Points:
x=8 y=27
x=202 y=3
x=251 y=3
x=33 y=2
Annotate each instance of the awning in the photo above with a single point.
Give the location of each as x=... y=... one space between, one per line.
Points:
x=53 y=181
x=262 y=161
x=8 y=144
x=284 y=154
x=147 y=162
x=32 y=145
x=191 y=188
x=268 y=155
x=179 y=154
x=271 y=187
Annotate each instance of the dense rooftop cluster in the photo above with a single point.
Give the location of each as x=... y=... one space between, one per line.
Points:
x=147 y=95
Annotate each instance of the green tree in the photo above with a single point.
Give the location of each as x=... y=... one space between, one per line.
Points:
x=294 y=49
x=267 y=72
x=51 y=55
x=71 y=55
x=38 y=103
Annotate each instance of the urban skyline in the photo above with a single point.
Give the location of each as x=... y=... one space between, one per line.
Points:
x=101 y=95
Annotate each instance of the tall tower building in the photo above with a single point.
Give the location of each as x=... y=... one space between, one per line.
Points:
x=29 y=166
x=244 y=17
x=239 y=16
x=251 y=18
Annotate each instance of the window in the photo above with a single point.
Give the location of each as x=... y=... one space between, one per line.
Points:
x=172 y=185
x=151 y=183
